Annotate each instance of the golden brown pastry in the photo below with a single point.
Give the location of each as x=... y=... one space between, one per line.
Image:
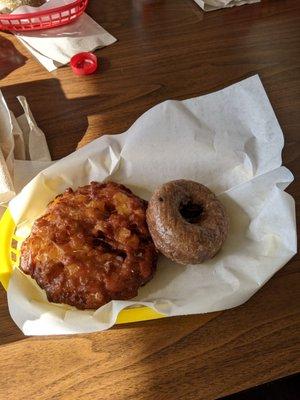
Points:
x=91 y=246
x=188 y=224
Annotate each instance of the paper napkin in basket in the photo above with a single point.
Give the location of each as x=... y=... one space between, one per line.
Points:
x=23 y=150
x=54 y=47
x=210 y=5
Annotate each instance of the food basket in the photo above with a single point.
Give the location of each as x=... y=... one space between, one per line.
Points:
x=10 y=245
x=43 y=19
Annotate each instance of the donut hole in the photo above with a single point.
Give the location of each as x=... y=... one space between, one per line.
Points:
x=191 y=212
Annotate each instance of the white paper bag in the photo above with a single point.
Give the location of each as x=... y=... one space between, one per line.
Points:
x=211 y=5
x=23 y=150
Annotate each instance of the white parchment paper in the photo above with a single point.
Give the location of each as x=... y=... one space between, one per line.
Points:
x=230 y=141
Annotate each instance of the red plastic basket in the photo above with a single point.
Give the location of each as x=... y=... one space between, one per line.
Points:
x=46 y=19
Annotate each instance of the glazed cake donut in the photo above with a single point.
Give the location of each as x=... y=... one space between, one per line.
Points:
x=188 y=224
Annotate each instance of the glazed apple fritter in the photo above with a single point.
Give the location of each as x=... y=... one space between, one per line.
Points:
x=91 y=246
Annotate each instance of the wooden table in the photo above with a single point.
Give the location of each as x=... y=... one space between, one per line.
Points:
x=166 y=49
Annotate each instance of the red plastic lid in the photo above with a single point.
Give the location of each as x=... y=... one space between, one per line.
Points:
x=84 y=63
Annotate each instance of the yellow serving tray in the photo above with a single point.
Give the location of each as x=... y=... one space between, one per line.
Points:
x=9 y=258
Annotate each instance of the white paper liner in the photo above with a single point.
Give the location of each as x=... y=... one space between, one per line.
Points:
x=230 y=141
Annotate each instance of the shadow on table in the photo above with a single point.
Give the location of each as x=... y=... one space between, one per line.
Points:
x=10 y=57
x=287 y=388
x=9 y=332
x=64 y=121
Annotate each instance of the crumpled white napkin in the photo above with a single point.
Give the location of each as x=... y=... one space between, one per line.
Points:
x=210 y=5
x=53 y=48
x=23 y=150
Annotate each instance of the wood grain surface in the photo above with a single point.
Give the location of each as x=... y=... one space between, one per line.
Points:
x=166 y=49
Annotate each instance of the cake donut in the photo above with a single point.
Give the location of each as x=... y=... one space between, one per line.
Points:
x=188 y=224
